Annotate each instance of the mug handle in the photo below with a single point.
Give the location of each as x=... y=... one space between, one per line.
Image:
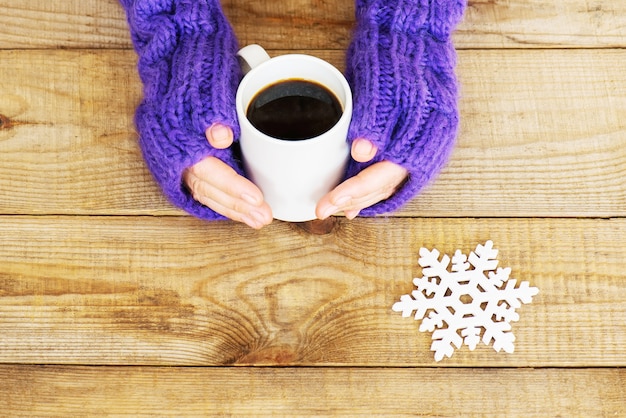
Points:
x=251 y=56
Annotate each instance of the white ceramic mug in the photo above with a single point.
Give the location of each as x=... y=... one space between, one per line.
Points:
x=293 y=175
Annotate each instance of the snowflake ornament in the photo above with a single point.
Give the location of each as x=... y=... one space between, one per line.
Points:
x=473 y=298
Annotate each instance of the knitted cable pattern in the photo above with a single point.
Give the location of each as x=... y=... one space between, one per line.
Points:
x=188 y=66
x=400 y=65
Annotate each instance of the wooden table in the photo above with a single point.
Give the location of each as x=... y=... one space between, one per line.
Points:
x=113 y=302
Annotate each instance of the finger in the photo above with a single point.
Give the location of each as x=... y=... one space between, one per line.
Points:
x=363 y=150
x=218 y=186
x=219 y=136
x=223 y=203
x=223 y=177
x=370 y=186
x=351 y=214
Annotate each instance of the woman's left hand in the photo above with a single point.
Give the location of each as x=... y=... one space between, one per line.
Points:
x=372 y=185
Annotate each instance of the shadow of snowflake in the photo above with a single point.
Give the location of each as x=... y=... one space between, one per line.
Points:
x=462 y=298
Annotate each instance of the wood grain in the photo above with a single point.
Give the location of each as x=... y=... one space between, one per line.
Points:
x=543 y=134
x=27 y=24
x=106 y=290
x=542 y=24
x=176 y=291
x=300 y=24
x=112 y=391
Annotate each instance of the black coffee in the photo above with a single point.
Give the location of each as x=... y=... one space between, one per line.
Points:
x=294 y=110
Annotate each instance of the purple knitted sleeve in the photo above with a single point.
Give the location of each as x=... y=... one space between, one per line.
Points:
x=400 y=65
x=190 y=73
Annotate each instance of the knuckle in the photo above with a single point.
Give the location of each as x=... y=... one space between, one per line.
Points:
x=239 y=207
x=195 y=187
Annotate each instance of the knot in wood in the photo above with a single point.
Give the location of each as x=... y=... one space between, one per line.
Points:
x=5 y=123
x=319 y=227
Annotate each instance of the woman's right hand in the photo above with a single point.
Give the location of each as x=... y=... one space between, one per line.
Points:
x=216 y=185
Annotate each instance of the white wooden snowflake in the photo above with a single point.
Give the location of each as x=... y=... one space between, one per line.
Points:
x=474 y=298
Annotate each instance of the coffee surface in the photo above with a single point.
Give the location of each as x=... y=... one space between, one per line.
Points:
x=294 y=110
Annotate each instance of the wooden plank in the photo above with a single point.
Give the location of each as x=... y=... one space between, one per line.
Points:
x=176 y=291
x=542 y=24
x=300 y=24
x=68 y=125
x=543 y=134
x=292 y=24
x=69 y=391
x=62 y=24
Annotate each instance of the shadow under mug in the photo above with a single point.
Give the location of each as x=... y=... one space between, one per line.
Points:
x=293 y=175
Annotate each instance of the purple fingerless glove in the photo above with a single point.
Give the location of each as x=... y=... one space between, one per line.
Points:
x=190 y=72
x=400 y=65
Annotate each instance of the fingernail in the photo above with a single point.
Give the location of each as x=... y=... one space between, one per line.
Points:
x=249 y=199
x=340 y=201
x=258 y=217
x=363 y=147
x=331 y=210
x=220 y=134
x=350 y=215
x=248 y=220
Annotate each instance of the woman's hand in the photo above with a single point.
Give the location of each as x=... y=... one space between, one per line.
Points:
x=372 y=185
x=216 y=185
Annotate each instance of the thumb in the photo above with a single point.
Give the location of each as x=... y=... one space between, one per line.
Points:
x=363 y=150
x=219 y=136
